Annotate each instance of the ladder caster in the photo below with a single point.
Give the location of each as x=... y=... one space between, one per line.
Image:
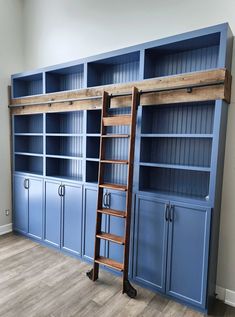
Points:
x=90 y=274
x=129 y=289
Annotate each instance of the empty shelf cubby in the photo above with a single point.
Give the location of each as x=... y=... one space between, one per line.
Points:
x=92 y=147
x=65 y=122
x=92 y=169
x=28 y=85
x=29 y=164
x=195 y=54
x=192 y=184
x=113 y=70
x=115 y=173
x=64 y=145
x=29 y=144
x=68 y=78
x=64 y=168
x=176 y=151
x=185 y=118
x=93 y=121
x=32 y=123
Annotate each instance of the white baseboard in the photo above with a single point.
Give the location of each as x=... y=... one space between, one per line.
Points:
x=226 y=295
x=5 y=229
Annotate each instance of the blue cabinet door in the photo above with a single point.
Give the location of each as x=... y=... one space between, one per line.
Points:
x=90 y=204
x=150 y=242
x=20 y=204
x=72 y=218
x=35 y=207
x=53 y=205
x=188 y=253
x=117 y=201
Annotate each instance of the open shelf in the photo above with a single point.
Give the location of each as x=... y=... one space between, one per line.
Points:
x=69 y=78
x=195 y=54
x=118 y=69
x=32 y=123
x=28 y=85
x=179 y=119
x=64 y=168
x=92 y=169
x=64 y=145
x=93 y=121
x=179 y=151
x=181 y=182
x=115 y=173
x=29 y=164
x=29 y=144
x=93 y=147
x=65 y=122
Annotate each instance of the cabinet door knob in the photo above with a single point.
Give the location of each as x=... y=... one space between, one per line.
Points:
x=166 y=212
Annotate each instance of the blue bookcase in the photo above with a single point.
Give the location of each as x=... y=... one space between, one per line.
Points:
x=178 y=166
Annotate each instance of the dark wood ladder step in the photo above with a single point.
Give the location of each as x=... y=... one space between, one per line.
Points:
x=112 y=212
x=115 y=136
x=117 y=120
x=111 y=237
x=122 y=188
x=115 y=161
x=110 y=263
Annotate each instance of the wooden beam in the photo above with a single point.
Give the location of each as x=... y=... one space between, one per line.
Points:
x=206 y=85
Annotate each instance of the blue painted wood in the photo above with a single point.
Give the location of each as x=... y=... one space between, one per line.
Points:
x=72 y=218
x=150 y=242
x=63 y=79
x=29 y=144
x=89 y=218
x=35 y=211
x=28 y=85
x=20 y=205
x=65 y=122
x=189 y=234
x=32 y=123
x=53 y=210
x=116 y=201
x=191 y=51
x=29 y=164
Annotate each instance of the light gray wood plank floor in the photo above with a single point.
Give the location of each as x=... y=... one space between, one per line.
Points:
x=37 y=281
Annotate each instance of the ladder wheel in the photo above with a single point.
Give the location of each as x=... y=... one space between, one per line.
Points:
x=129 y=289
x=90 y=274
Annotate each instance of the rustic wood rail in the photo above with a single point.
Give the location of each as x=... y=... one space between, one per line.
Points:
x=190 y=87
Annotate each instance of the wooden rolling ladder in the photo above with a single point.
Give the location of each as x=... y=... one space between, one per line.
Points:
x=125 y=241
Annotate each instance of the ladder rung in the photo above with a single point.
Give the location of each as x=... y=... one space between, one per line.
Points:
x=117 y=120
x=115 y=135
x=114 y=161
x=114 y=186
x=111 y=237
x=110 y=263
x=112 y=212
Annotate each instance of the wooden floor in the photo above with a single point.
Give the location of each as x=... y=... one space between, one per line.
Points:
x=37 y=281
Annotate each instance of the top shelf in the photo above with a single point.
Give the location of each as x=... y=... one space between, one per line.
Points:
x=194 y=51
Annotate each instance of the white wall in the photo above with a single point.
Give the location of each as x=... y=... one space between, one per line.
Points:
x=61 y=30
x=10 y=61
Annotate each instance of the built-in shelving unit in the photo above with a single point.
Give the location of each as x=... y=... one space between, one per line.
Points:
x=190 y=52
x=28 y=85
x=62 y=79
x=185 y=56
x=119 y=69
x=176 y=149
x=179 y=150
